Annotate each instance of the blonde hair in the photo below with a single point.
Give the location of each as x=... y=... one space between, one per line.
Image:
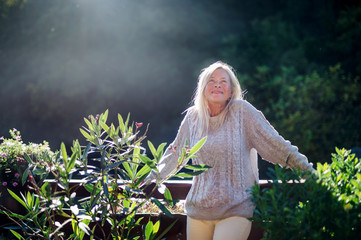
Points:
x=200 y=106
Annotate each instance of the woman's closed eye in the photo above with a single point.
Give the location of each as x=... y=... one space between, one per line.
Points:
x=212 y=81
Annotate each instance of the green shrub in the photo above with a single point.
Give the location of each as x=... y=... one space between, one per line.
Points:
x=114 y=182
x=324 y=206
x=12 y=161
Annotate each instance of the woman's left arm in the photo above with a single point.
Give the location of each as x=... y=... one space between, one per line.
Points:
x=269 y=144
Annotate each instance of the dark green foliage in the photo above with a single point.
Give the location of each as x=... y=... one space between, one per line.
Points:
x=315 y=111
x=300 y=64
x=324 y=206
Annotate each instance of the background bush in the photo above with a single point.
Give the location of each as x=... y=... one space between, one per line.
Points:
x=325 y=206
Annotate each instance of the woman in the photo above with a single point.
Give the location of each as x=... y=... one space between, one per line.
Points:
x=218 y=203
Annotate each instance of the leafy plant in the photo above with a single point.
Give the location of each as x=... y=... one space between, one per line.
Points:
x=112 y=168
x=326 y=205
x=12 y=161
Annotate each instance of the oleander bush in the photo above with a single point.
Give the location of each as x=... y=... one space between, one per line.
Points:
x=112 y=168
x=326 y=205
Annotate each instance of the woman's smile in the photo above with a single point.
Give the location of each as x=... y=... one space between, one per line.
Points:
x=217 y=92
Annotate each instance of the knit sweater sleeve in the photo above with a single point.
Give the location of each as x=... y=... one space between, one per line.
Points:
x=169 y=161
x=272 y=147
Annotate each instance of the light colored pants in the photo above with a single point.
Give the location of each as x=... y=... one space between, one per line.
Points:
x=233 y=228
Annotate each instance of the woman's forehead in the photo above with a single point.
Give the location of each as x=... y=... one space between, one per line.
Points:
x=219 y=72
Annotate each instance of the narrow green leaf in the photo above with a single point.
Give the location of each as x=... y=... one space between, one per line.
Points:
x=90 y=126
x=27 y=158
x=102 y=160
x=16 y=197
x=152 y=149
x=64 y=153
x=117 y=132
x=92 y=189
x=105 y=189
x=73 y=225
x=197 y=167
x=166 y=230
x=182 y=157
x=38 y=171
x=136 y=153
x=127 y=121
x=147 y=161
x=114 y=165
x=168 y=197
x=112 y=130
x=14 y=215
x=17 y=235
x=25 y=175
x=160 y=150
x=71 y=164
x=76 y=148
x=143 y=171
x=143 y=176
x=197 y=146
x=187 y=175
x=45 y=188
x=86 y=222
x=162 y=207
x=104 y=116
x=128 y=170
x=86 y=150
x=156 y=227
x=29 y=199
x=104 y=126
x=121 y=123
x=86 y=135
x=94 y=126
x=149 y=230
x=94 y=201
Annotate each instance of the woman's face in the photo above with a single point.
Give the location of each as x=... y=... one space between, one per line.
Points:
x=218 y=89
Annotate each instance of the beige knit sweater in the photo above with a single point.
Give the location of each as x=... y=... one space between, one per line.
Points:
x=231 y=151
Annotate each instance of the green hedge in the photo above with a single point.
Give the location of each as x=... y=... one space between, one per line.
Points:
x=324 y=206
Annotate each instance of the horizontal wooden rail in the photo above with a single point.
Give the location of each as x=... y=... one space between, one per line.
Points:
x=178 y=188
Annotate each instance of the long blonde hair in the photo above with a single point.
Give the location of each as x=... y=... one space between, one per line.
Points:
x=200 y=106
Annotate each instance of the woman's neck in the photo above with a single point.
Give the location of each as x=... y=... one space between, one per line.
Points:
x=215 y=109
